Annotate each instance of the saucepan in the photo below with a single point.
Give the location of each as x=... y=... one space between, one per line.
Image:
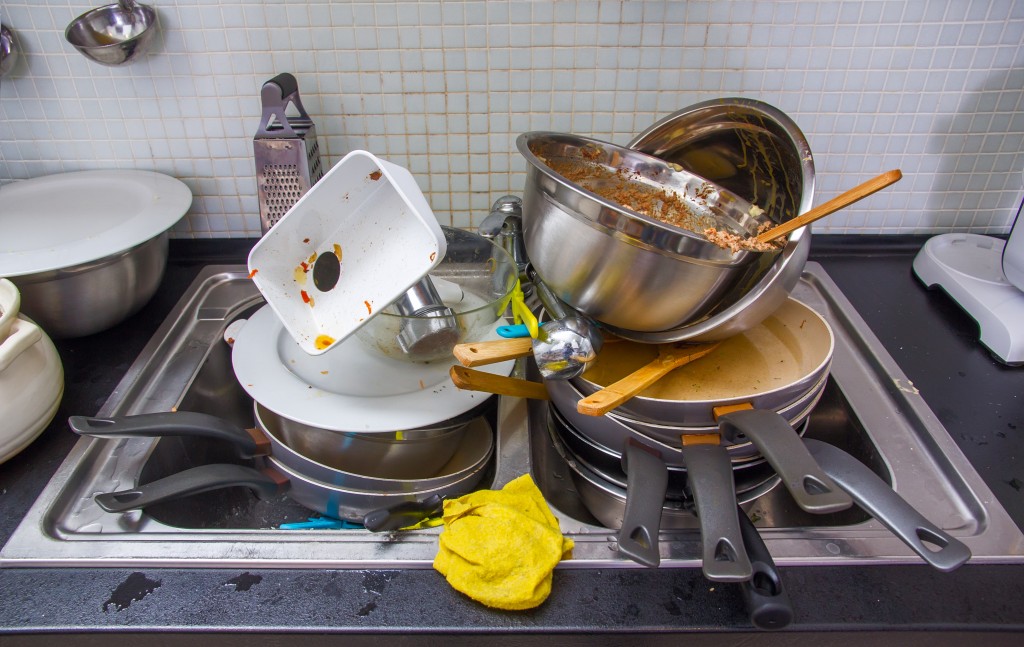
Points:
x=740 y=386
x=605 y=496
x=729 y=396
x=348 y=495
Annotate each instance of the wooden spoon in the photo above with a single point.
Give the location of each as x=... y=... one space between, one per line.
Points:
x=473 y=380
x=835 y=204
x=490 y=352
x=670 y=356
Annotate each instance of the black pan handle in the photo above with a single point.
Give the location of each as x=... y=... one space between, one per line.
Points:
x=403 y=515
x=196 y=480
x=710 y=479
x=173 y=423
x=766 y=599
x=779 y=443
x=880 y=501
x=646 y=485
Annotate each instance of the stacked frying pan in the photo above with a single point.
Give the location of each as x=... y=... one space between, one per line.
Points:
x=713 y=430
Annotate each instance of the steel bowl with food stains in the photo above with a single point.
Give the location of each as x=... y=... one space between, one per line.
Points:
x=756 y=151
x=628 y=239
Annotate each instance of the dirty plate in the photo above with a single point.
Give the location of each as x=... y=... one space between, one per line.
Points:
x=355 y=242
x=350 y=389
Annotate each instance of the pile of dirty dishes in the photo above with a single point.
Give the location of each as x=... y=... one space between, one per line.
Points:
x=637 y=283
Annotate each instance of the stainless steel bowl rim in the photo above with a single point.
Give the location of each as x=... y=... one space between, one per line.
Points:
x=86 y=266
x=776 y=284
x=631 y=227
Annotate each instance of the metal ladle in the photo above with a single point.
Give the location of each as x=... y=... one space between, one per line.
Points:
x=114 y=34
x=8 y=51
x=563 y=348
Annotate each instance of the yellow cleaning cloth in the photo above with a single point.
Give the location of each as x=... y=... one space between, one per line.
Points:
x=500 y=547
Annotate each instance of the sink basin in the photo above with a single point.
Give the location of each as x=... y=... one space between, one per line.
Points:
x=868 y=408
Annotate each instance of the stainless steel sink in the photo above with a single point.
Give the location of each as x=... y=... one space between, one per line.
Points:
x=869 y=409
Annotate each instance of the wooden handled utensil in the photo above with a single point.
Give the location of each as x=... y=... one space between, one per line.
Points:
x=835 y=204
x=474 y=380
x=670 y=357
x=491 y=352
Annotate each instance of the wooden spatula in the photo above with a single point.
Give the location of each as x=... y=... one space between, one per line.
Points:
x=471 y=379
x=855 y=194
x=670 y=356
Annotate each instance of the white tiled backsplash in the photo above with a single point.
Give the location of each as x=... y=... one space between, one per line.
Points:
x=443 y=88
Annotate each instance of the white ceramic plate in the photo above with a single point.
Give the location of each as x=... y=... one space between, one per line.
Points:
x=351 y=388
x=62 y=220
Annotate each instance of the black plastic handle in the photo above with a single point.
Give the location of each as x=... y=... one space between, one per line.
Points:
x=172 y=423
x=891 y=510
x=766 y=599
x=193 y=481
x=403 y=515
x=646 y=484
x=779 y=443
x=286 y=81
x=710 y=480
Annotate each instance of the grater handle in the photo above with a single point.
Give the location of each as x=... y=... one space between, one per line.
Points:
x=276 y=94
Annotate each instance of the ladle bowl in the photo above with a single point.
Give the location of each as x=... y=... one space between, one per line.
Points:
x=115 y=34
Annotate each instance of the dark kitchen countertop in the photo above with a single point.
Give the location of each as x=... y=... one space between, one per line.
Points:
x=978 y=400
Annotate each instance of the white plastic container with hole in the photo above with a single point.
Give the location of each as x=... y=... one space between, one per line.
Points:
x=355 y=242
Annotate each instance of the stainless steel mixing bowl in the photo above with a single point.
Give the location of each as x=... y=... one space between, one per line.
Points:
x=114 y=34
x=618 y=266
x=759 y=153
x=89 y=297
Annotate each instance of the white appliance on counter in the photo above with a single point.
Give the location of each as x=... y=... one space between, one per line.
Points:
x=985 y=276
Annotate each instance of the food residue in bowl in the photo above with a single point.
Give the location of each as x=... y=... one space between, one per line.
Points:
x=323 y=341
x=735 y=242
x=625 y=187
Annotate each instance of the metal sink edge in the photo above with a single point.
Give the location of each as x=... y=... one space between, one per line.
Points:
x=953 y=496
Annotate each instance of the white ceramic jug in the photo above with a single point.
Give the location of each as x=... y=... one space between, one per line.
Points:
x=31 y=376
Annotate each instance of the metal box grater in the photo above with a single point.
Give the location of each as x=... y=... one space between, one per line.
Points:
x=287 y=153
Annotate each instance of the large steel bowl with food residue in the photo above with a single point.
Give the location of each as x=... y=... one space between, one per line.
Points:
x=756 y=151
x=622 y=237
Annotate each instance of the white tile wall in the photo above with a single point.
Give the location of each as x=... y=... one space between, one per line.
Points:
x=933 y=87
